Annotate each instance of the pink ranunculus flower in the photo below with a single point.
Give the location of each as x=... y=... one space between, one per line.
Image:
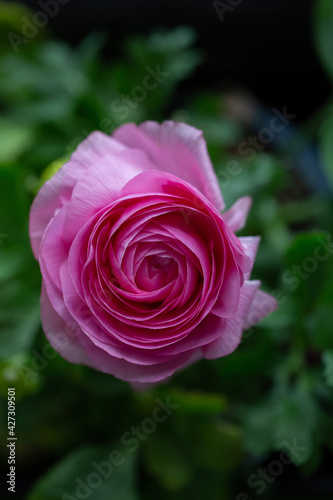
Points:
x=142 y=275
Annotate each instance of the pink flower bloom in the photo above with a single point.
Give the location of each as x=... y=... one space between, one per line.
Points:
x=142 y=275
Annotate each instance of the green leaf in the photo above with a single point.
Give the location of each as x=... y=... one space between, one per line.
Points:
x=94 y=472
x=328 y=367
x=323 y=32
x=15 y=138
x=52 y=169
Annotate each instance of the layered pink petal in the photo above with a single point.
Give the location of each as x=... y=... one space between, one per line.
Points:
x=176 y=148
x=250 y=245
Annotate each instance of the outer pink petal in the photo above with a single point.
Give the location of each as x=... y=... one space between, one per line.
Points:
x=43 y=209
x=56 y=330
x=227 y=301
x=108 y=177
x=176 y=148
x=53 y=252
x=232 y=334
x=132 y=372
x=263 y=304
x=137 y=386
x=250 y=245
x=236 y=216
x=58 y=190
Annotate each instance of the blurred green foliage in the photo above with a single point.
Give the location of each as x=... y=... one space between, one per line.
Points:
x=233 y=414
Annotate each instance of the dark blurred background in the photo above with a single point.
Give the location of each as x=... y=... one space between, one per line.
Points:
x=264 y=47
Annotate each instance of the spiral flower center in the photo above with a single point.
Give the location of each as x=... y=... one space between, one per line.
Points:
x=156 y=271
